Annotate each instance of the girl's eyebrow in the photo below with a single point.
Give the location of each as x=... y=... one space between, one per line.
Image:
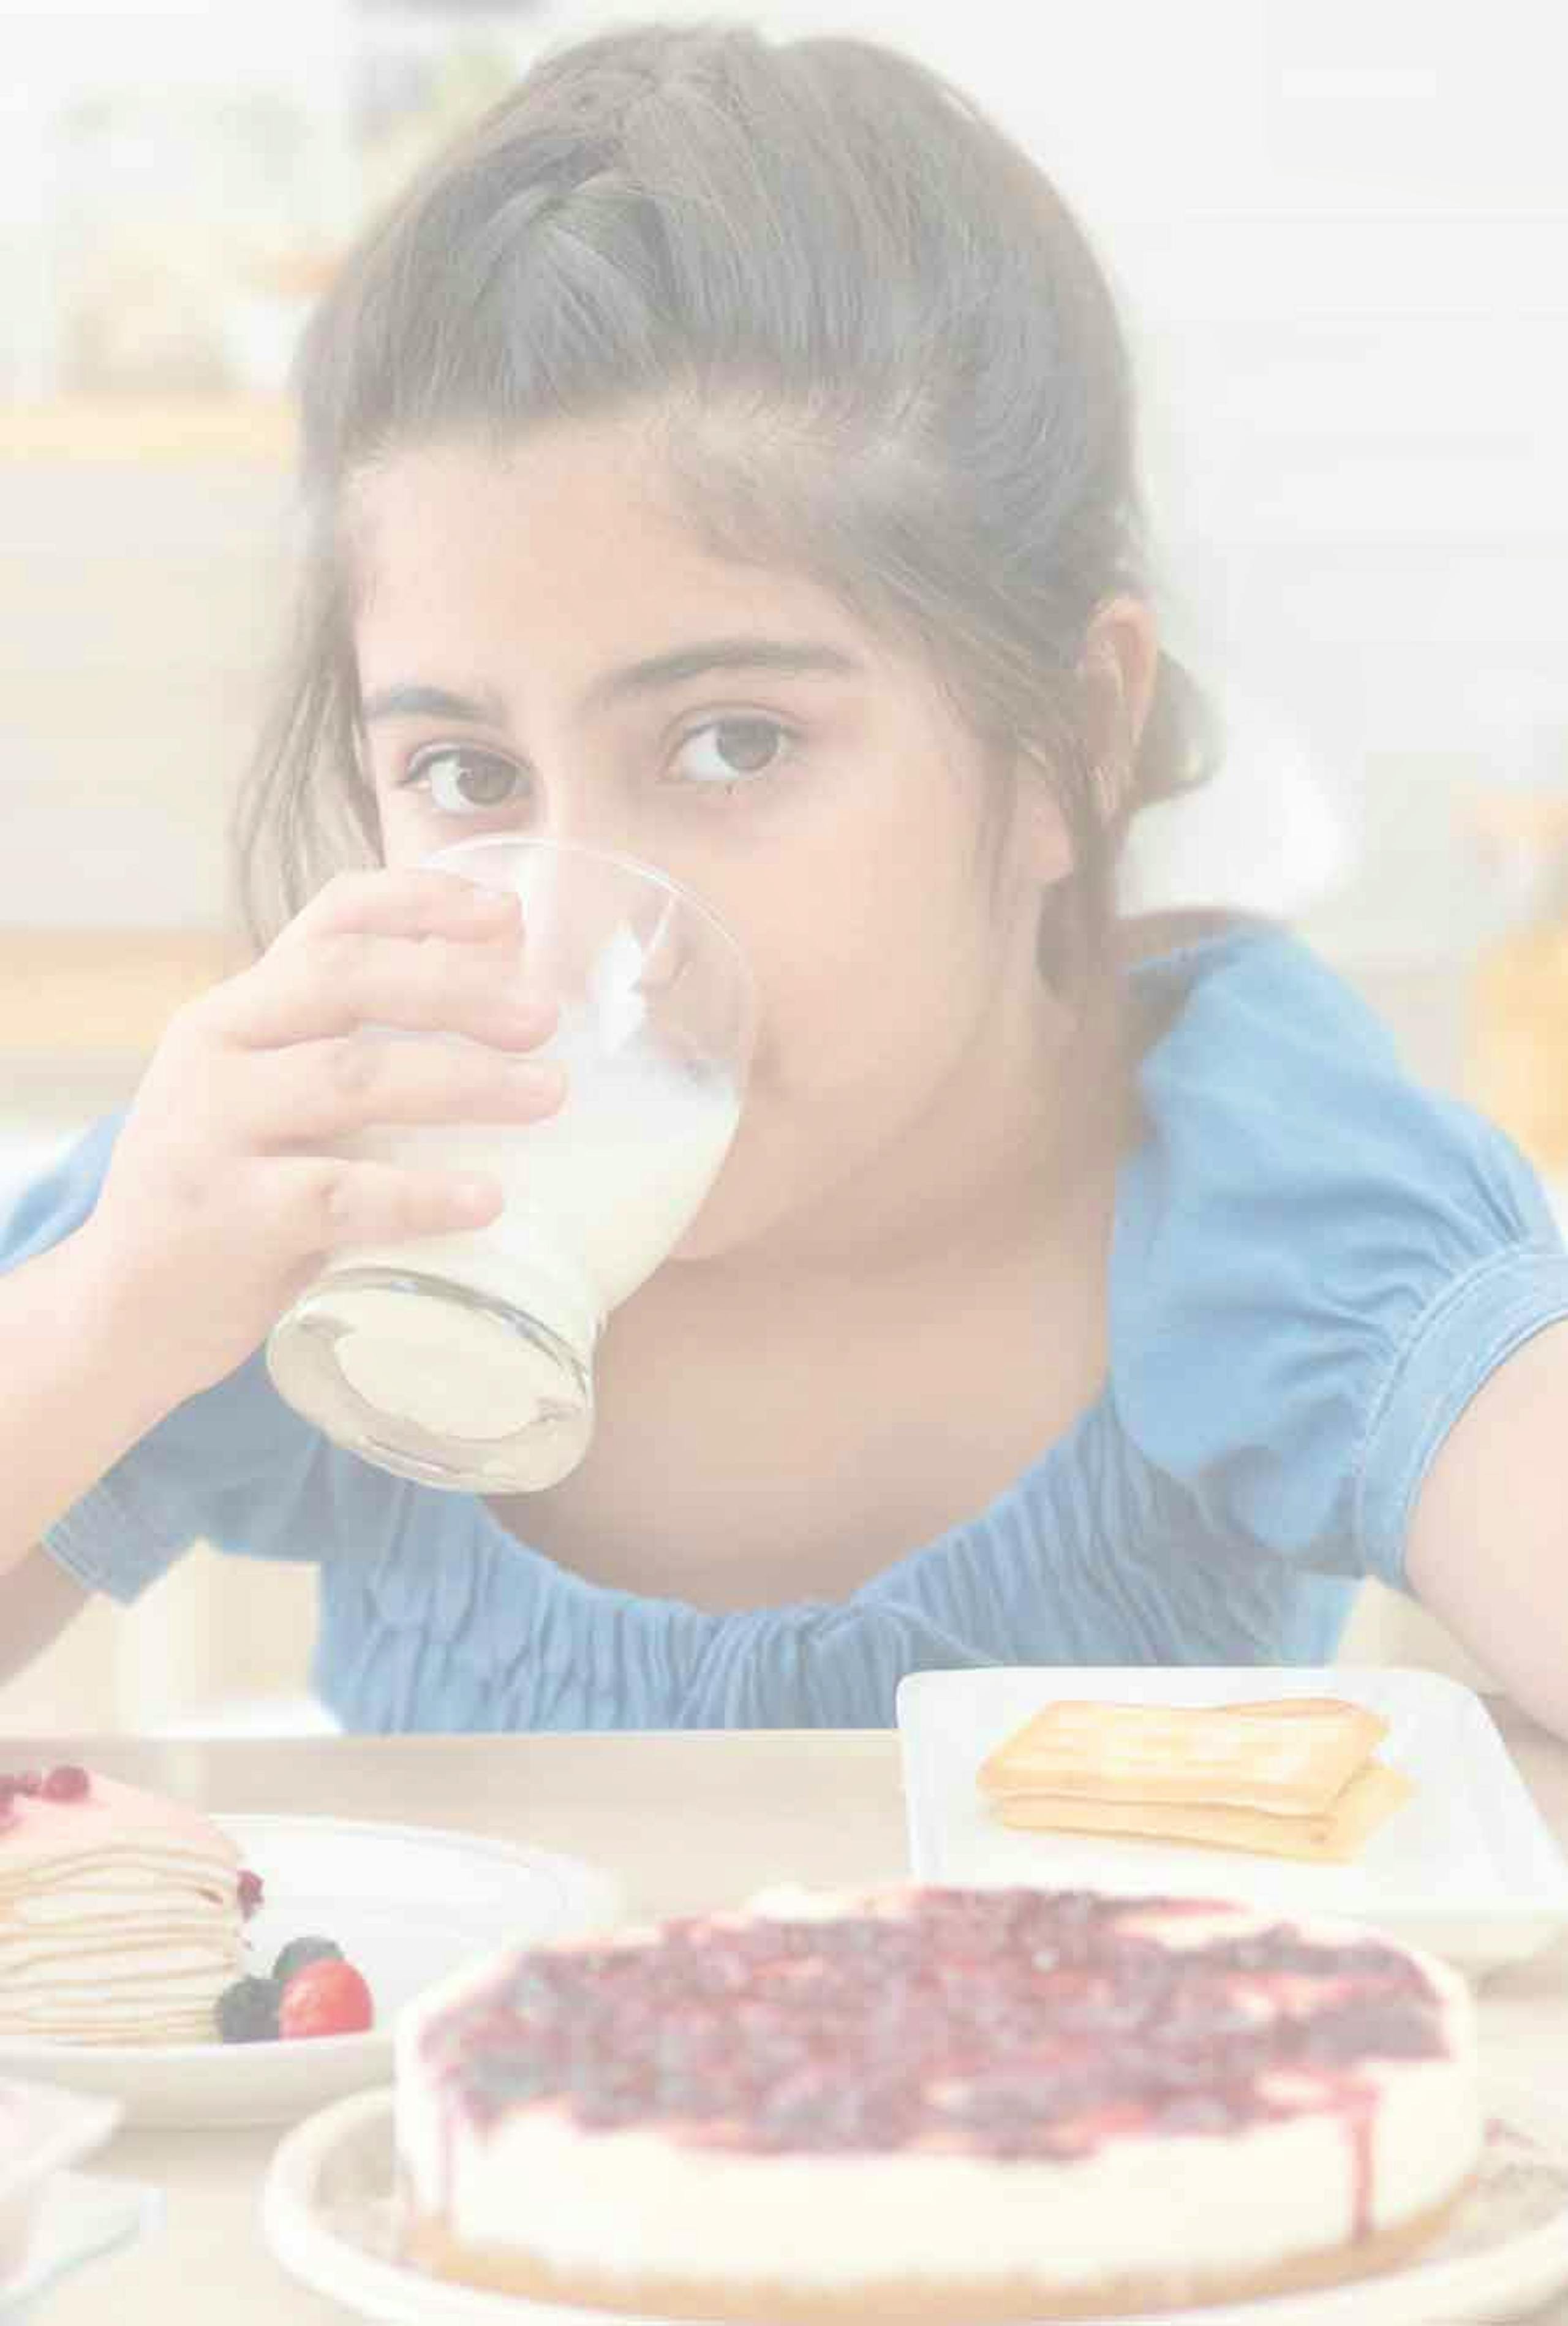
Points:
x=793 y=657
x=407 y=700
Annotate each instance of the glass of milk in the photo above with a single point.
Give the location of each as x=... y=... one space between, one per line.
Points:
x=467 y=1360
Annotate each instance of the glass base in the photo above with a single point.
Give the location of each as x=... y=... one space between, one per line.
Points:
x=434 y=1381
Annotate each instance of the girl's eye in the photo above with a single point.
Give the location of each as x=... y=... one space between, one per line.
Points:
x=732 y=751
x=463 y=777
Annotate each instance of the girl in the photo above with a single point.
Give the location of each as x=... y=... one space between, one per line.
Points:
x=725 y=456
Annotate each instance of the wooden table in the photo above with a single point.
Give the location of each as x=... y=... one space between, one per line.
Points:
x=686 y=1822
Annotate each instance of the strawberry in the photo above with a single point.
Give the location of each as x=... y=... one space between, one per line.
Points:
x=325 y=1998
x=66 y=1783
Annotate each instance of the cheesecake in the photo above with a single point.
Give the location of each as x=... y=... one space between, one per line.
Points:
x=936 y=2105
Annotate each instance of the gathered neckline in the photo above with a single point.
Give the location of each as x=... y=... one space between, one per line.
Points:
x=1098 y=1413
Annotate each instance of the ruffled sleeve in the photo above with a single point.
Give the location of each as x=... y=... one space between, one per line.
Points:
x=1318 y=1262
x=235 y=1466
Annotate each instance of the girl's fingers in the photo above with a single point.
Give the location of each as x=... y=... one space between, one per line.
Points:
x=333 y=985
x=321 y=1091
x=404 y=903
x=319 y=1204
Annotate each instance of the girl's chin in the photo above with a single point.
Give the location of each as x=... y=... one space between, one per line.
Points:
x=709 y=1237
x=732 y=1220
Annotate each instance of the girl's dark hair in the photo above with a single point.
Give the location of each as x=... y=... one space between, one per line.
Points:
x=875 y=347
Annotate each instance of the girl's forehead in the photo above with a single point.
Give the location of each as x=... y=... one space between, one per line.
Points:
x=566 y=503
x=474 y=499
x=566 y=531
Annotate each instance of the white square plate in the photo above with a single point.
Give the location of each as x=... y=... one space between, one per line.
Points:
x=1467 y=1867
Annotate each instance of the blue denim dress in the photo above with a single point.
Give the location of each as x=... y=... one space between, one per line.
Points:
x=1315 y=1265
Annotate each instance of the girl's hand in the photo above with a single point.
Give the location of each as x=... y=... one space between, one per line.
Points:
x=225 y=1194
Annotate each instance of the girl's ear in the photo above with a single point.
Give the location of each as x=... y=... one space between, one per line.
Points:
x=1120 y=661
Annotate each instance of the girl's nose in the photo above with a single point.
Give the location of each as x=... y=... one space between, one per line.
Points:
x=568 y=813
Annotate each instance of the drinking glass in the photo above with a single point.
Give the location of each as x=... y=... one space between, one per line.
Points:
x=465 y=1360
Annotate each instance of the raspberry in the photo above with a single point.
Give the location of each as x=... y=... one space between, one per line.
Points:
x=66 y=1783
x=251 y=1892
x=247 y=2012
x=326 y=1998
x=300 y=1951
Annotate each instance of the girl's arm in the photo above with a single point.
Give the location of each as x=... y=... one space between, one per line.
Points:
x=229 y=1183
x=80 y=1393
x=80 y=1388
x=1488 y=1550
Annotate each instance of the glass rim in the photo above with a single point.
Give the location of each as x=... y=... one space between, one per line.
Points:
x=623 y=860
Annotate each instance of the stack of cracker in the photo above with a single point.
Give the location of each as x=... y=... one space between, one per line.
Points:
x=1295 y=1777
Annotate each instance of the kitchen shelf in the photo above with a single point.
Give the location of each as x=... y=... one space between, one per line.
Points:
x=148 y=431
x=102 y=994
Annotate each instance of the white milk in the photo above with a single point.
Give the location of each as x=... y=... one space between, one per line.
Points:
x=597 y=1194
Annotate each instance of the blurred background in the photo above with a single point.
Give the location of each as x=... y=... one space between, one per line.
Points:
x=1340 y=234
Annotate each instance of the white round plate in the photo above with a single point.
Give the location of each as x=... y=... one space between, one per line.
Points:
x=406 y=1903
x=327 y=2216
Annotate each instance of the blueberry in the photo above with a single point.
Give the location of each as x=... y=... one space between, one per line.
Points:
x=247 y=2012
x=300 y=1951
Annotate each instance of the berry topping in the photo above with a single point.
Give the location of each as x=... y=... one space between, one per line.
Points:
x=251 y=1891
x=1006 y=2022
x=247 y=2012
x=66 y=1783
x=300 y=1951
x=326 y=1998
